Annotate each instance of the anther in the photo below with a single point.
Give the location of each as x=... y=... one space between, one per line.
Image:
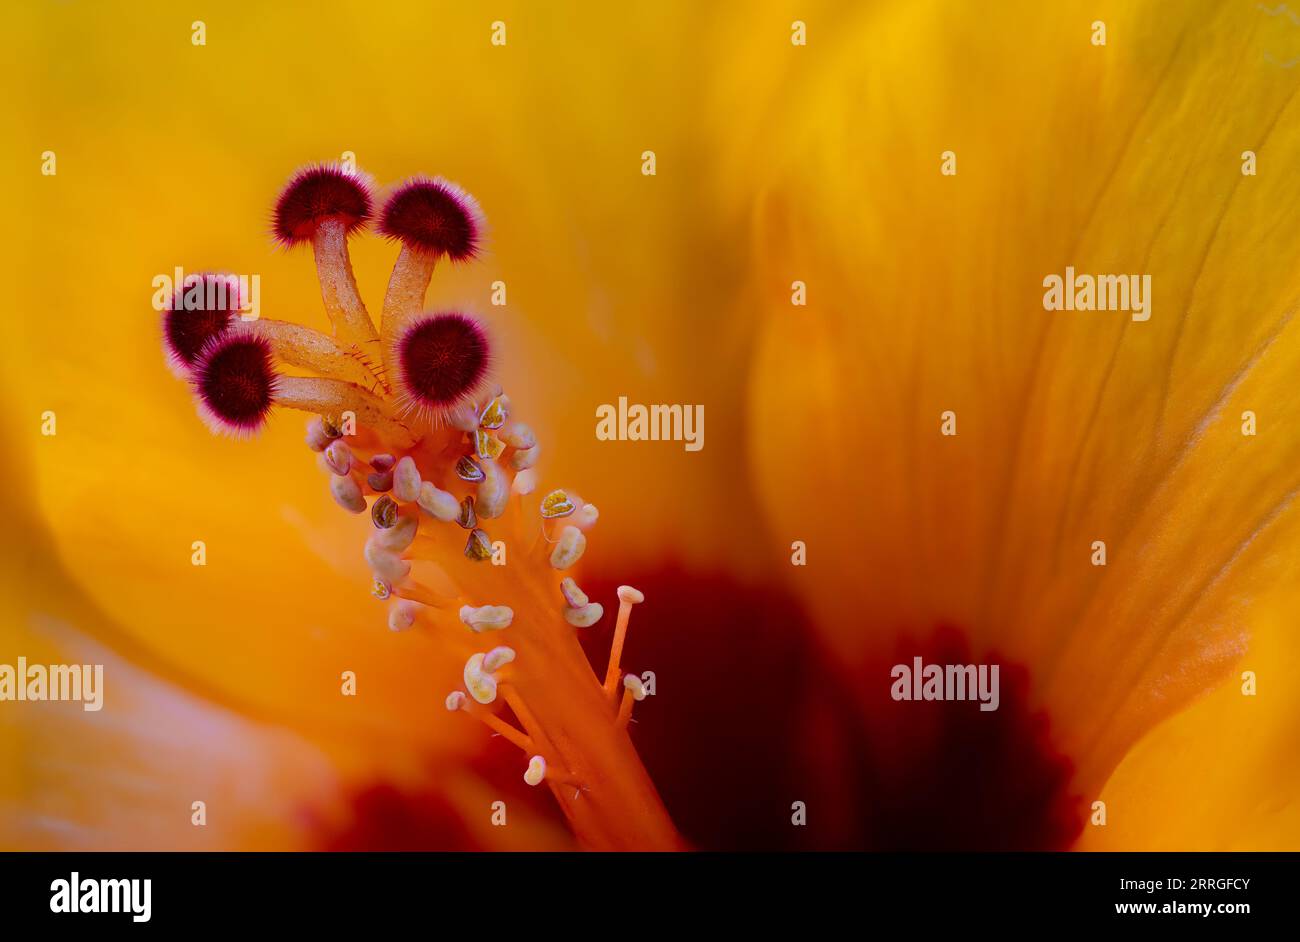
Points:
x=384 y=563
x=487 y=617
x=573 y=596
x=486 y=446
x=403 y=613
x=338 y=457
x=518 y=436
x=455 y=701
x=557 y=504
x=525 y=458
x=347 y=494
x=569 y=549
x=525 y=483
x=498 y=658
x=317 y=438
x=406 y=480
x=586 y=518
x=466 y=516
x=479 y=546
x=400 y=535
x=493 y=492
x=479 y=681
x=467 y=469
x=584 y=616
x=494 y=414
x=438 y=503
x=536 y=773
x=384 y=512
x=380 y=589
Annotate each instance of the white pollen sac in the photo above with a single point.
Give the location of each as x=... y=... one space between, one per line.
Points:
x=573 y=596
x=536 y=773
x=406 y=481
x=518 y=435
x=586 y=616
x=455 y=701
x=633 y=683
x=384 y=563
x=628 y=594
x=347 y=494
x=338 y=457
x=525 y=482
x=569 y=549
x=399 y=536
x=487 y=617
x=481 y=685
x=437 y=503
x=493 y=491
x=586 y=517
x=402 y=614
x=525 y=458
x=498 y=658
x=317 y=438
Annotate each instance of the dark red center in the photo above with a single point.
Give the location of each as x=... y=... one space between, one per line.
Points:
x=237 y=381
x=443 y=358
x=198 y=313
x=429 y=216
x=317 y=194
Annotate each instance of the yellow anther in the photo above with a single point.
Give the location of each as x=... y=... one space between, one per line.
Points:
x=482 y=686
x=557 y=504
x=486 y=446
x=536 y=771
x=479 y=546
x=494 y=414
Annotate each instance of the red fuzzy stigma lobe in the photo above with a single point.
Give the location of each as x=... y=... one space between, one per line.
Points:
x=235 y=382
x=316 y=194
x=202 y=309
x=433 y=216
x=443 y=357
